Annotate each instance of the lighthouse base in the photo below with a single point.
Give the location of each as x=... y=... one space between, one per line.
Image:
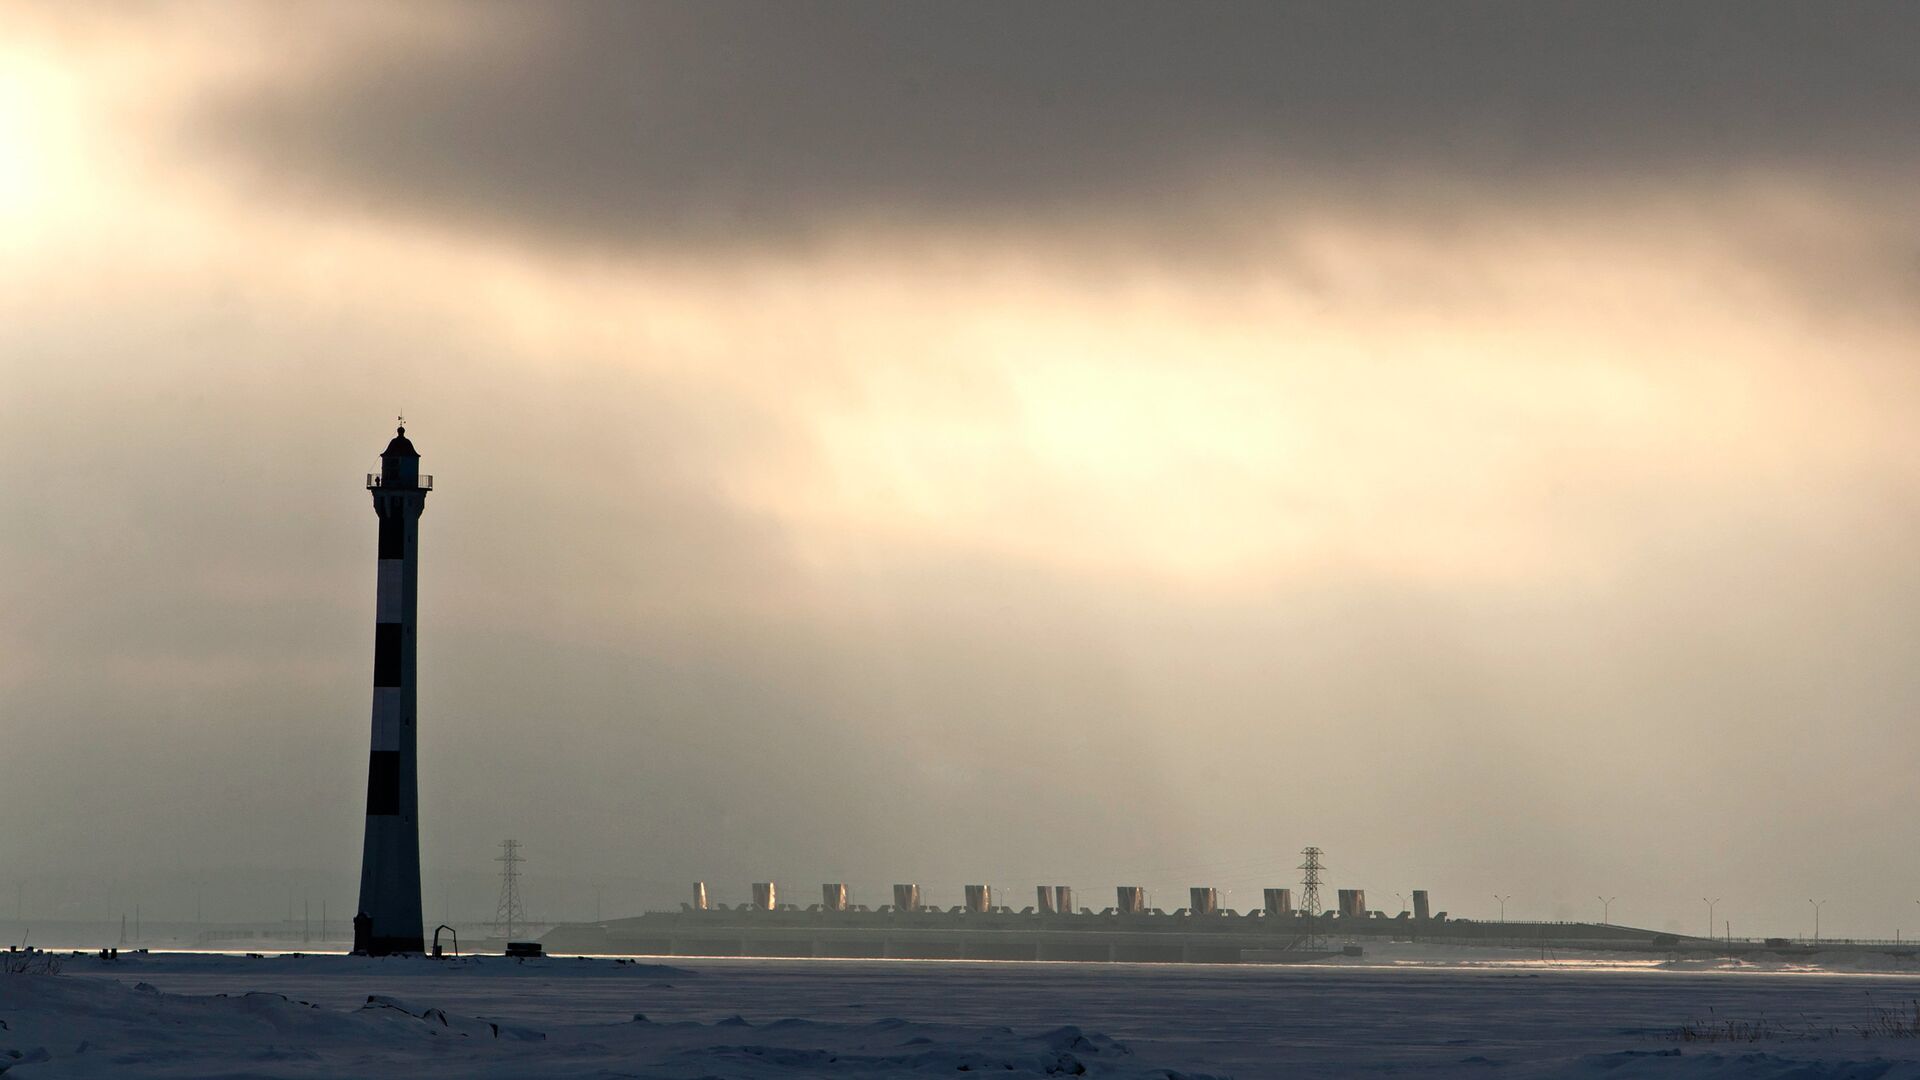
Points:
x=389 y=946
x=366 y=943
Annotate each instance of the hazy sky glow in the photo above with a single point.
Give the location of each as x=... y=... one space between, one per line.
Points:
x=971 y=443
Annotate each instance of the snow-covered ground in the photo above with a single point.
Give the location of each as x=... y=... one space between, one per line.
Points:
x=1404 y=1011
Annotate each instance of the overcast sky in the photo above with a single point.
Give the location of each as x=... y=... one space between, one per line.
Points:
x=1086 y=443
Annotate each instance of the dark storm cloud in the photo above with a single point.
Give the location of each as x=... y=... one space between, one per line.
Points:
x=617 y=123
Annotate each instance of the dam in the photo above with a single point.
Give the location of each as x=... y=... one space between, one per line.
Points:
x=1128 y=932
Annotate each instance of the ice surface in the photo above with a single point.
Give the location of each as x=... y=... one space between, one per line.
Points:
x=1497 y=1015
x=75 y=1025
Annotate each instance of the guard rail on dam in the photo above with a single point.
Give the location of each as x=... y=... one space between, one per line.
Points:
x=1003 y=934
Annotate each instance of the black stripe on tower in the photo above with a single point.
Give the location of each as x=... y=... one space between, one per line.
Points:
x=383 y=782
x=393 y=531
x=386 y=654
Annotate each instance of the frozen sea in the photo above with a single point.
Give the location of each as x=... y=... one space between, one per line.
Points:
x=1480 y=1015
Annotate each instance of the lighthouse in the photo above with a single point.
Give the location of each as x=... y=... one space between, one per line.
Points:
x=389 y=918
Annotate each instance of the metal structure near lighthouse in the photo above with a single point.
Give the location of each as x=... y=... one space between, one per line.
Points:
x=389 y=918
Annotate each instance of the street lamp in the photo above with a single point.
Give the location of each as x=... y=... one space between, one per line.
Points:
x=1606 y=909
x=1710 y=904
x=1817 y=905
x=1503 y=904
x=1403 y=902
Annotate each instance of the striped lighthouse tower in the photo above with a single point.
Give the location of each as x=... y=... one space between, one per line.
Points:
x=389 y=918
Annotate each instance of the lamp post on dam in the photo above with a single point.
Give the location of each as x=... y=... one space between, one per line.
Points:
x=389 y=918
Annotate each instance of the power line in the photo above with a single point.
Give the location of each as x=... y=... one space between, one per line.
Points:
x=1310 y=881
x=511 y=908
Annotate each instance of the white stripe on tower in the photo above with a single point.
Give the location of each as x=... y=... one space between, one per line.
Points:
x=386 y=719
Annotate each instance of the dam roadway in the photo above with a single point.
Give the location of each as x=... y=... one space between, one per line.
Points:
x=1003 y=934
